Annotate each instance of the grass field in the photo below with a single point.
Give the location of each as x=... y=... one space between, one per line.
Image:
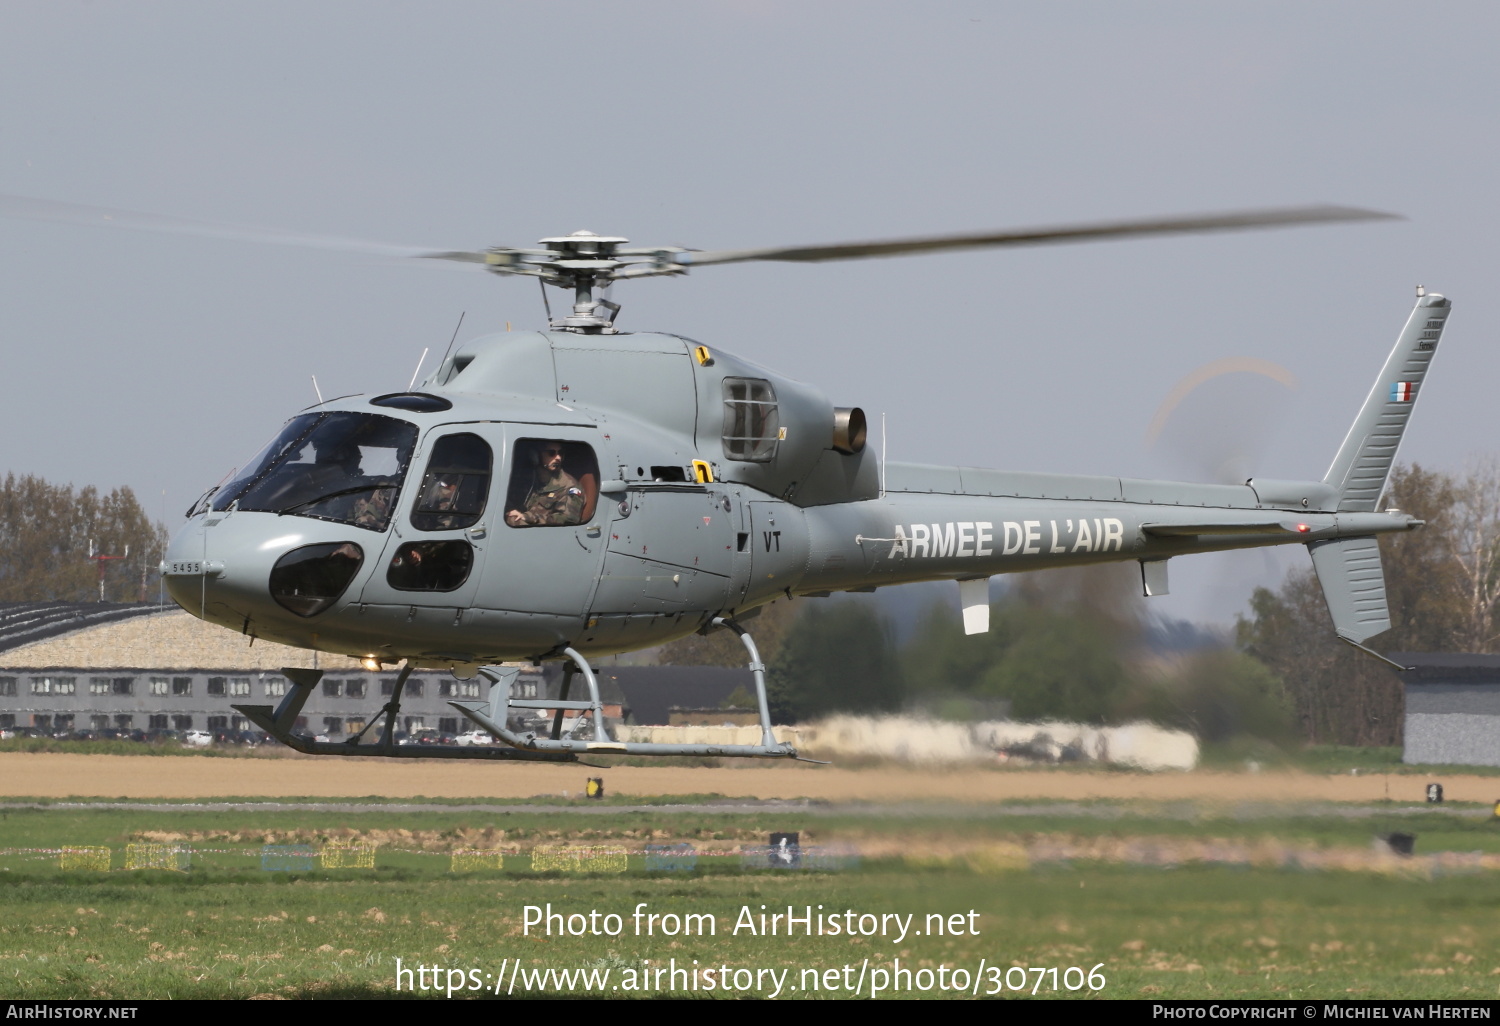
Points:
x=1155 y=902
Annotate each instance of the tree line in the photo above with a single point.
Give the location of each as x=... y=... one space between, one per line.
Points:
x=48 y=531
x=1063 y=644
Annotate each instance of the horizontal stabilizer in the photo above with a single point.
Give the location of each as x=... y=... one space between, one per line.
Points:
x=1353 y=585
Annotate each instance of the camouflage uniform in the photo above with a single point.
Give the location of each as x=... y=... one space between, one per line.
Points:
x=371 y=510
x=557 y=500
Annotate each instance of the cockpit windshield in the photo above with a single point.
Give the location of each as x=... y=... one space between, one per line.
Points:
x=345 y=467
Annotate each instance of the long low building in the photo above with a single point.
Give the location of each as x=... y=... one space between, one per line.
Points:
x=80 y=667
x=90 y=667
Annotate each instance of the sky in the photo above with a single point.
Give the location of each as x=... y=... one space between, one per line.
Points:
x=161 y=361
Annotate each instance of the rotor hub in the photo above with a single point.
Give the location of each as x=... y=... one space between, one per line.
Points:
x=584 y=244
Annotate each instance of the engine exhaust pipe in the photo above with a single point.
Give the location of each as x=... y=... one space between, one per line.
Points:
x=849 y=429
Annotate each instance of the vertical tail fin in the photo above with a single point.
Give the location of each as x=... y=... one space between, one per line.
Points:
x=1349 y=568
x=1363 y=463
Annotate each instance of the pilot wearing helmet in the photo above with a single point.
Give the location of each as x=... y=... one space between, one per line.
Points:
x=555 y=498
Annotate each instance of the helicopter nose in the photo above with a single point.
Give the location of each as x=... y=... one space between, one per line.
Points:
x=244 y=565
x=186 y=567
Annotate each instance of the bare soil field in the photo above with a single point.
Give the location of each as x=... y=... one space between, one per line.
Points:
x=51 y=775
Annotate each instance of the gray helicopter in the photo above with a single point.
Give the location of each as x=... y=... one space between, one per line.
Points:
x=583 y=491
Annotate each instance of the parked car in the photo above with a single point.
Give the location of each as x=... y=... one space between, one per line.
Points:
x=427 y=736
x=474 y=737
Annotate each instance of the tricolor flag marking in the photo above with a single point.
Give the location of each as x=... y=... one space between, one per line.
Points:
x=1401 y=392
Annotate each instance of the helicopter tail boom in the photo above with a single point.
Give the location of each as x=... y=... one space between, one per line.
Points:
x=965 y=524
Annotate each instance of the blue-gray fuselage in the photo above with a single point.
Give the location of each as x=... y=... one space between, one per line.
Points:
x=611 y=492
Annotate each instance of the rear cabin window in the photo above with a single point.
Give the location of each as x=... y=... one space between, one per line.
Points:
x=430 y=566
x=553 y=483
x=752 y=425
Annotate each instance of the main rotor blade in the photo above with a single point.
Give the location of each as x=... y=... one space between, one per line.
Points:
x=33 y=209
x=1230 y=221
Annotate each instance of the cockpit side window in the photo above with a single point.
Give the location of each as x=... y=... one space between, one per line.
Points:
x=344 y=467
x=553 y=483
x=456 y=486
x=752 y=424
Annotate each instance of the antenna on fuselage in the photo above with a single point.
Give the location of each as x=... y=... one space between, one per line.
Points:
x=452 y=340
x=316 y=390
x=882 y=454
x=412 y=383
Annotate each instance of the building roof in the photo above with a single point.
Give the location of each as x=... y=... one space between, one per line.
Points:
x=22 y=623
x=651 y=691
x=1470 y=667
x=609 y=688
x=137 y=636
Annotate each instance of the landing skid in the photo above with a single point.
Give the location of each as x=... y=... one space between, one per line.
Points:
x=494 y=716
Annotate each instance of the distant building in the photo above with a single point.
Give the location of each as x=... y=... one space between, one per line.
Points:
x=611 y=699
x=659 y=695
x=650 y=692
x=91 y=666
x=732 y=717
x=1452 y=708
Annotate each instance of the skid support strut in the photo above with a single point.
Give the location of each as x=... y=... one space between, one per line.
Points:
x=279 y=725
x=494 y=715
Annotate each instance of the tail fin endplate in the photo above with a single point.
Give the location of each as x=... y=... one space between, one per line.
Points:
x=1353 y=585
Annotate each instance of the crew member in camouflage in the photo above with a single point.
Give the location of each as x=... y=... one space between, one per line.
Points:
x=373 y=510
x=555 y=498
x=439 y=505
